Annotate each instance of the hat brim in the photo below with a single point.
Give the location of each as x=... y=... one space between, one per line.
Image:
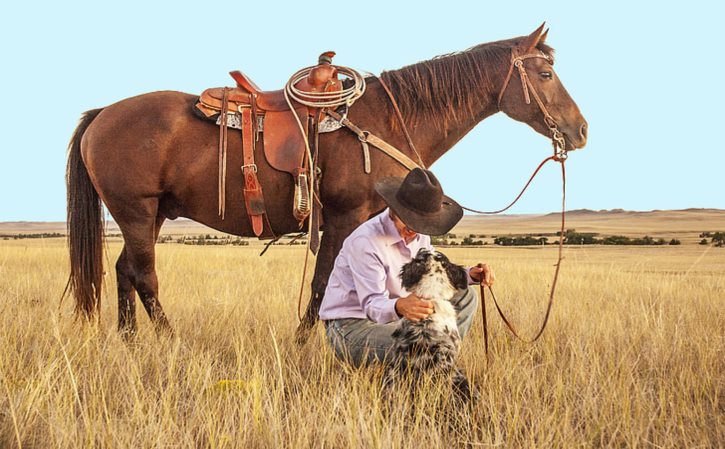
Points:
x=437 y=223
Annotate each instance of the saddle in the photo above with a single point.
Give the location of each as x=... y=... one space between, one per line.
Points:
x=287 y=128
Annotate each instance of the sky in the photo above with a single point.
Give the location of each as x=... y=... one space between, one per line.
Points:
x=647 y=76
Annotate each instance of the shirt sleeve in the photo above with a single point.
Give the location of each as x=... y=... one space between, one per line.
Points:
x=369 y=277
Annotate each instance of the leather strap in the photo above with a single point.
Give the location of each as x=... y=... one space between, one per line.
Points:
x=367 y=137
x=402 y=122
x=557 y=137
x=553 y=283
x=222 y=187
x=253 y=198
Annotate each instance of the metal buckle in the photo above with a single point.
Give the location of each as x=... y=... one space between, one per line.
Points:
x=252 y=166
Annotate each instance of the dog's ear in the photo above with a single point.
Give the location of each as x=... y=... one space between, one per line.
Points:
x=422 y=255
x=412 y=272
x=457 y=276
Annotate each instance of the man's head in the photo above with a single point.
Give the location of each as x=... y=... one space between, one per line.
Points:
x=403 y=229
x=418 y=204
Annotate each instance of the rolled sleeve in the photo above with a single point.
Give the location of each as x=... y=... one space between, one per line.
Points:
x=470 y=279
x=369 y=276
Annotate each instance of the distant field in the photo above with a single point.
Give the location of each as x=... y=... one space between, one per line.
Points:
x=685 y=225
x=634 y=354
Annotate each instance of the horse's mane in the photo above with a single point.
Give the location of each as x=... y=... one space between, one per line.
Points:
x=450 y=86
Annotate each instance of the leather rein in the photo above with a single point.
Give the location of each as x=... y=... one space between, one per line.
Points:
x=560 y=155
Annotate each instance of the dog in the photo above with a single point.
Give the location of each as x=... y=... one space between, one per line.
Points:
x=430 y=346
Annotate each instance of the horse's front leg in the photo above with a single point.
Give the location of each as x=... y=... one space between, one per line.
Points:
x=337 y=228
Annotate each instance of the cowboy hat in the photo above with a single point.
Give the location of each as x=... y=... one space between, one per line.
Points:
x=419 y=201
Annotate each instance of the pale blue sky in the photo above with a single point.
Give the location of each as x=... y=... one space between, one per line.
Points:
x=647 y=78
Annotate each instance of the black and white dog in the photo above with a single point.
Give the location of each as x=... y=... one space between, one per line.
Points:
x=430 y=346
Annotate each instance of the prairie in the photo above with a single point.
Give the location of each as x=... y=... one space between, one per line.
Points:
x=633 y=355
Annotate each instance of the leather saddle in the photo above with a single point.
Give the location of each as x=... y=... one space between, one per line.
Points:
x=268 y=113
x=284 y=145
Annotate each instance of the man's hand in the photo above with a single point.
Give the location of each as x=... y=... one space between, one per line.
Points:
x=482 y=274
x=414 y=308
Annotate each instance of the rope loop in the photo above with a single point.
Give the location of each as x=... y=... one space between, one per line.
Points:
x=326 y=99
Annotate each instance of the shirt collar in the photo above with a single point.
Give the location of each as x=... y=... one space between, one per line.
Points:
x=391 y=232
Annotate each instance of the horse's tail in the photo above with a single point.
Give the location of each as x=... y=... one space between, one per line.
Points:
x=85 y=228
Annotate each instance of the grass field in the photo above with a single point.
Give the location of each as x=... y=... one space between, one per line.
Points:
x=633 y=357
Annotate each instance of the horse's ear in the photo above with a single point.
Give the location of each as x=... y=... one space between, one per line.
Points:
x=542 y=39
x=532 y=40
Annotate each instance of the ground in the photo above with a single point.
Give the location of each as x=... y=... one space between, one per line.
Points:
x=633 y=355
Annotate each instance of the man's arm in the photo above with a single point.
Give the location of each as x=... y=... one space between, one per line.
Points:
x=369 y=276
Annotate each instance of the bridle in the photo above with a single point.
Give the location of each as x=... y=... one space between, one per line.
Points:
x=518 y=62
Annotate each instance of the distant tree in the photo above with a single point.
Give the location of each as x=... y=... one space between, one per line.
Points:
x=437 y=240
x=703 y=242
x=718 y=239
x=675 y=242
x=571 y=237
x=617 y=240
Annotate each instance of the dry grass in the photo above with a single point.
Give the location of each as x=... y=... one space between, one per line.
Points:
x=633 y=357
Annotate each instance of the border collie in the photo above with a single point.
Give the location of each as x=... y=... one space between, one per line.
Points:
x=430 y=346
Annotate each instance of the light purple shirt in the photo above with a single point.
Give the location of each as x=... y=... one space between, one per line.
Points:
x=365 y=281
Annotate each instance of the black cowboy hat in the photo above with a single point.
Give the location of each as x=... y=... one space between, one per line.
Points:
x=419 y=201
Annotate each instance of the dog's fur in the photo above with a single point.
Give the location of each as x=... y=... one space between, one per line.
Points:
x=430 y=346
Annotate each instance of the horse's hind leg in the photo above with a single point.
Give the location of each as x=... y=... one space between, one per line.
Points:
x=126 y=297
x=136 y=268
x=126 y=291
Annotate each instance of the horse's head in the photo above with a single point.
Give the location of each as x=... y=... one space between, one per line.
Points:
x=532 y=92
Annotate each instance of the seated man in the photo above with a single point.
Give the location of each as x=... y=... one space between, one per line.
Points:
x=364 y=298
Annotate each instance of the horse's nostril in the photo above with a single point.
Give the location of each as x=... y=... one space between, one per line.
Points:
x=583 y=131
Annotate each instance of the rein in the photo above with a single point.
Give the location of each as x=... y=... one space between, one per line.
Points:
x=560 y=155
x=556 y=271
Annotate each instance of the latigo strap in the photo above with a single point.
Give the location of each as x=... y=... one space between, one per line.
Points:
x=253 y=198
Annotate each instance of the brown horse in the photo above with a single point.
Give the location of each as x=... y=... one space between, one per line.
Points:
x=148 y=159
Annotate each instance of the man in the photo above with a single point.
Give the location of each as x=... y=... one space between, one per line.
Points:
x=364 y=298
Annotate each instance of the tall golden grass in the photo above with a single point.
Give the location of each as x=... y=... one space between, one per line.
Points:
x=632 y=357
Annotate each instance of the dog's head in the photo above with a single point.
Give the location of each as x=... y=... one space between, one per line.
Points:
x=432 y=275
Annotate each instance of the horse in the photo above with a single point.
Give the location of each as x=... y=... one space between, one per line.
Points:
x=149 y=159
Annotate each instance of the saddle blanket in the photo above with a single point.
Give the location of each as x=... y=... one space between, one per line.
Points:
x=234 y=120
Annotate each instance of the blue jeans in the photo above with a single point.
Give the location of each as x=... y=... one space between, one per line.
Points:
x=360 y=341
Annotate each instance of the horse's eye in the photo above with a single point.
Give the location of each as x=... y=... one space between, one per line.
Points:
x=546 y=75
